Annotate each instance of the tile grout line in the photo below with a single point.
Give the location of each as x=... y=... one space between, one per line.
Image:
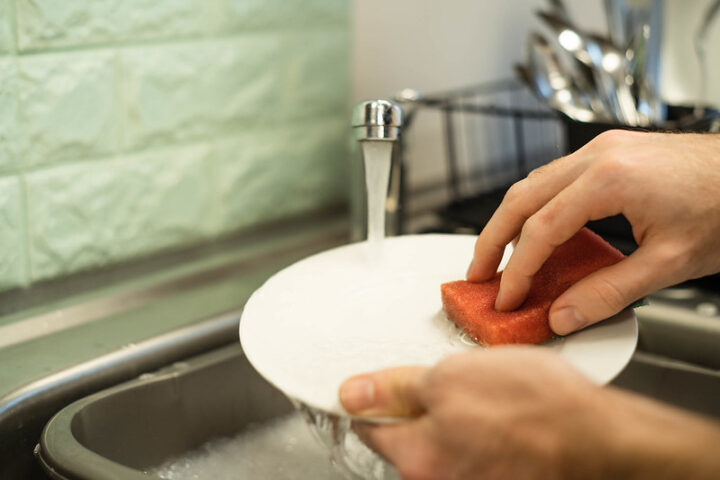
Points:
x=123 y=79
x=14 y=30
x=171 y=41
x=34 y=46
x=286 y=123
x=24 y=201
x=25 y=206
x=213 y=182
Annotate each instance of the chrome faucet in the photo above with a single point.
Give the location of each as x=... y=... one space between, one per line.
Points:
x=377 y=121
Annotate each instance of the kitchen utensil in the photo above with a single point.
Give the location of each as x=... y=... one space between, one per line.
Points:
x=559 y=8
x=626 y=17
x=653 y=58
x=551 y=83
x=617 y=13
x=523 y=73
x=635 y=25
x=580 y=74
x=700 y=43
x=608 y=64
x=584 y=80
x=613 y=65
x=335 y=314
x=636 y=56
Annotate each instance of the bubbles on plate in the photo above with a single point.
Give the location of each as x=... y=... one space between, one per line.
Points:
x=454 y=335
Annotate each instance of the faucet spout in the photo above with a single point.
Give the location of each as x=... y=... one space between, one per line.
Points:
x=376 y=120
x=376 y=125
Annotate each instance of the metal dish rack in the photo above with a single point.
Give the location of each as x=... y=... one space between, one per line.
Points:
x=494 y=134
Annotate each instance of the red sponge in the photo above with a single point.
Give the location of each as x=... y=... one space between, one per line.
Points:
x=472 y=305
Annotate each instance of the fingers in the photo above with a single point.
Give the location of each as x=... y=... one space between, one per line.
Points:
x=607 y=291
x=552 y=225
x=522 y=200
x=413 y=449
x=393 y=442
x=394 y=392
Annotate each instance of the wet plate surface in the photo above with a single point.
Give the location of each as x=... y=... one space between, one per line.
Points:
x=342 y=312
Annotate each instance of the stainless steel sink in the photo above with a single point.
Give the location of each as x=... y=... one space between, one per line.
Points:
x=675 y=382
x=124 y=431
x=121 y=432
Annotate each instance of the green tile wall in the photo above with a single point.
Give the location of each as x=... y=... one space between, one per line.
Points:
x=13 y=267
x=5 y=33
x=8 y=115
x=52 y=23
x=69 y=106
x=133 y=126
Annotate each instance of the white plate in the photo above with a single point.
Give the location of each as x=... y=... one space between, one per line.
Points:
x=337 y=314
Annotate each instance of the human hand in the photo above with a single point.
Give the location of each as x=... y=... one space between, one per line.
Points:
x=522 y=413
x=667 y=187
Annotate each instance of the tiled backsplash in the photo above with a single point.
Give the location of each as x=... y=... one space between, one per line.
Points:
x=131 y=126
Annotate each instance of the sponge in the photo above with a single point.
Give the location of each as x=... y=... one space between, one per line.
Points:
x=472 y=305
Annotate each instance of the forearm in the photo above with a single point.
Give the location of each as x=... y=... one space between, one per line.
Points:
x=649 y=440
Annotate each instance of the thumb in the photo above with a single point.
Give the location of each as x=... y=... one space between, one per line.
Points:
x=607 y=291
x=394 y=392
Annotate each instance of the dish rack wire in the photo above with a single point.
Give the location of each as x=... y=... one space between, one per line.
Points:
x=494 y=134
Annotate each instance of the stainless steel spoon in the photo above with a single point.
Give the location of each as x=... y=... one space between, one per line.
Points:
x=559 y=8
x=700 y=42
x=608 y=64
x=546 y=76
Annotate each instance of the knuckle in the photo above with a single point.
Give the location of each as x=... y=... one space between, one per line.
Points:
x=545 y=218
x=611 y=137
x=611 y=170
x=609 y=293
x=516 y=192
x=537 y=172
x=674 y=256
x=611 y=165
x=534 y=227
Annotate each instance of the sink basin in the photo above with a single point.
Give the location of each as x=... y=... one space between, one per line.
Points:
x=130 y=429
x=127 y=430
x=675 y=382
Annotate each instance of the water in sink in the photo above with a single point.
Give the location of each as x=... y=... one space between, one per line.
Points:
x=349 y=454
x=282 y=449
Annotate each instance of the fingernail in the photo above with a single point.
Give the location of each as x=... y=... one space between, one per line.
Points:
x=498 y=301
x=567 y=320
x=357 y=394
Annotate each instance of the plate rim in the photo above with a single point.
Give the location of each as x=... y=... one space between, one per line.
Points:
x=259 y=293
